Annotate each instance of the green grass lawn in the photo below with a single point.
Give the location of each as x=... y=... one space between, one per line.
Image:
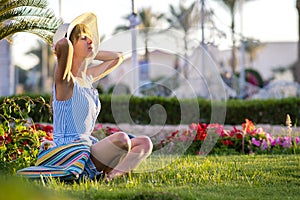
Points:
x=186 y=177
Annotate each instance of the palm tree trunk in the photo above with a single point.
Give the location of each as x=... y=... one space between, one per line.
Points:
x=186 y=64
x=298 y=61
x=233 y=59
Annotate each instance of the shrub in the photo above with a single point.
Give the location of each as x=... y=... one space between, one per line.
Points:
x=20 y=138
x=260 y=111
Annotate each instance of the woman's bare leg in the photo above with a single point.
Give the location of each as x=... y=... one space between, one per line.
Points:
x=108 y=153
x=141 y=148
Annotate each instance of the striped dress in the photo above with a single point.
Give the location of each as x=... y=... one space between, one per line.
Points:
x=73 y=120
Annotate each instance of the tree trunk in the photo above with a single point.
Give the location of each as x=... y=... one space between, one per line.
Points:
x=298 y=60
x=233 y=59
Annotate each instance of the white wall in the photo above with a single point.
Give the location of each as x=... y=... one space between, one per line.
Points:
x=271 y=56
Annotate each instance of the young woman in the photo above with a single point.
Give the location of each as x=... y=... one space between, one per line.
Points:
x=76 y=106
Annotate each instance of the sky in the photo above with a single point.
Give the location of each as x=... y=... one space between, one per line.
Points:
x=265 y=20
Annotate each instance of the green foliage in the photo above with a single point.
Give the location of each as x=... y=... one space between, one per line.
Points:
x=28 y=16
x=19 y=138
x=269 y=111
x=35 y=107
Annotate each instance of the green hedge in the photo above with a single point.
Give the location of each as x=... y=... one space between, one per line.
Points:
x=136 y=110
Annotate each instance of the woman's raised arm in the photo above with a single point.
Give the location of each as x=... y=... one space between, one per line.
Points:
x=64 y=53
x=111 y=60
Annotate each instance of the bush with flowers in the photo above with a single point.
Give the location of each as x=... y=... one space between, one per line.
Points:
x=19 y=143
x=247 y=140
x=19 y=137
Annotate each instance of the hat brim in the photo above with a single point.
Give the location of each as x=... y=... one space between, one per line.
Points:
x=90 y=20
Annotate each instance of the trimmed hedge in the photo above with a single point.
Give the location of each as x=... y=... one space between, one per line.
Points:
x=136 y=110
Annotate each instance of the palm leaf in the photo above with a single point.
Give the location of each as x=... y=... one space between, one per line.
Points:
x=27 y=16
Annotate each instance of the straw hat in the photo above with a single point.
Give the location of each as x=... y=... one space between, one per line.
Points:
x=90 y=20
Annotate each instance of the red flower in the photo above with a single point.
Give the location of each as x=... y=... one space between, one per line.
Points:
x=25 y=142
x=20 y=151
x=239 y=135
x=169 y=137
x=201 y=136
x=48 y=129
x=111 y=130
x=235 y=131
x=227 y=142
x=7 y=138
x=49 y=136
x=173 y=134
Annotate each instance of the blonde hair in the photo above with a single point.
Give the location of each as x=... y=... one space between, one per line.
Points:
x=77 y=31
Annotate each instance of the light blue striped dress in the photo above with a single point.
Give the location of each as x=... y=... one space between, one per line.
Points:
x=74 y=119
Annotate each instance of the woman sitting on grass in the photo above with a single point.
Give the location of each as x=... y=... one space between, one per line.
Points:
x=75 y=153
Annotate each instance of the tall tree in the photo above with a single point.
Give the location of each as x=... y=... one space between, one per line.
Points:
x=232 y=6
x=27 y=16
x=184 y=18
x=149 y=20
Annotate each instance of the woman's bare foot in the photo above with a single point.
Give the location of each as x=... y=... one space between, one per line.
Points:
x=114 y=174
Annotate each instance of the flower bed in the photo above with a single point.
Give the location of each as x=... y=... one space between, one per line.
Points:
x=247 y=140
x=19 y=143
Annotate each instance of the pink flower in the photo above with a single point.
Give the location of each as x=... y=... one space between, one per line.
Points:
x=98 y=127
x=193 y=126
x=287 y=142
x=278 y=141
x=218 y=129
x=259 y=131
x=273 y=142
x=255 y=142
x=183 y=137
x=264 y=145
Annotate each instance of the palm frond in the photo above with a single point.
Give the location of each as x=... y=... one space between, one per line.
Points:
x=31 y=16
x=27 y=13
x=121 y=28
x=15 y=4
x=31 y=25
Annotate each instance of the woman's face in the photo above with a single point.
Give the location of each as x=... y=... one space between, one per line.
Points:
x=83 y=47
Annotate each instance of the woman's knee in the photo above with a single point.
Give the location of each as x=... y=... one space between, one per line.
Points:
x=122 y=140
x=146 y=143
